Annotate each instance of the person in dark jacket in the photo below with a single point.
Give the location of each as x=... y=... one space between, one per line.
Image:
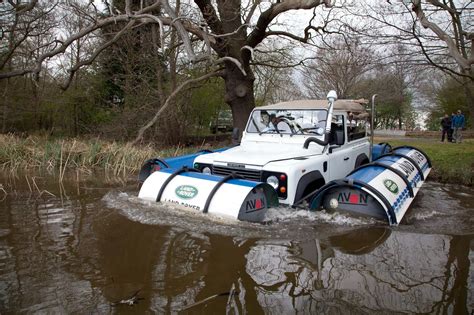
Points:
x=450 y=132
x=445 y=126
x=458 y=125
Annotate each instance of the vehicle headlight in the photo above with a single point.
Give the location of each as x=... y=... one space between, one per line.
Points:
x=206 y=170
x=273 y=181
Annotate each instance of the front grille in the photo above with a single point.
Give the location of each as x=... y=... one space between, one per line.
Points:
x=249 y=174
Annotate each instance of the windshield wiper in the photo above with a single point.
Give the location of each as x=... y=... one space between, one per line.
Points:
x=310 y=130
x=268 y=131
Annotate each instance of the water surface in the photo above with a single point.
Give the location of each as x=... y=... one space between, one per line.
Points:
x=91 y=246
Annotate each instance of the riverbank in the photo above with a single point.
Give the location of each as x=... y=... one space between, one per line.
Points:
x=452 y=163
x=60 y=155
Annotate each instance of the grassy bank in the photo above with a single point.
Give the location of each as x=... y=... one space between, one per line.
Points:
x=60 y=155
x=452 y=162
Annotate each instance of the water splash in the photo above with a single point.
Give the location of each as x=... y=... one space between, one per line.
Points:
x=426 y=215
x=280 y=222
x=152 y=213
x=285 y=214
x=433 y=211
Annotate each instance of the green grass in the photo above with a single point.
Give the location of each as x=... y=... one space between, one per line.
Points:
x=452 y=162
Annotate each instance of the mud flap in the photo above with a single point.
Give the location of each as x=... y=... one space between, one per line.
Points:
x=227 y=196
x=383 y=189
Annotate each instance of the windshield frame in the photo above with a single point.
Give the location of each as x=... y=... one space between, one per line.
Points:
x=287 y=121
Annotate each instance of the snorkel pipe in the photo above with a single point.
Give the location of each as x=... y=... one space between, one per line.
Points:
x=332 y=97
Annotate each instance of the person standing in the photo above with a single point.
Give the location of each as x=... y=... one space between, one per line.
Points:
x=450 y=132
x=458 y=125
x=446 y=126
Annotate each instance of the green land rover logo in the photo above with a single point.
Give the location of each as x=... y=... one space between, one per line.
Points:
x=186 y=191
x=391 y=185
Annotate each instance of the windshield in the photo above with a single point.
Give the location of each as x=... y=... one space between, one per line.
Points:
x=287 y=121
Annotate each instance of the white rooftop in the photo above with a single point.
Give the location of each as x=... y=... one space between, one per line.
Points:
x=356 y=106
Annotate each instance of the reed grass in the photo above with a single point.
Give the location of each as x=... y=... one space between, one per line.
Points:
x=60 y=155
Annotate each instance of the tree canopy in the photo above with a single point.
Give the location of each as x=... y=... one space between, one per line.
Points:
x=130 y=67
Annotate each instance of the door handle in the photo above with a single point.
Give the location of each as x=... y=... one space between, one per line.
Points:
x=346 y=158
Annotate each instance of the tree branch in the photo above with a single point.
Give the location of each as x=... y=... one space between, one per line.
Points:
x=259 y=32
x=96 y=53
x=183 y=33
x=430 y=61
x=210 y=15
x=464 y=63
x=21 y=7
x=233 y=60
x=170 y=98
x=139 y=15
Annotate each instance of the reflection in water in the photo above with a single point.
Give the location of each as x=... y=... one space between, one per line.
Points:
x=404 y=272
x=361 y=241
x=41 y=241
x=73 y=253
x=179 y=271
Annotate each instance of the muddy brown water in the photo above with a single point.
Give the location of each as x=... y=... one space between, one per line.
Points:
x=90 y=246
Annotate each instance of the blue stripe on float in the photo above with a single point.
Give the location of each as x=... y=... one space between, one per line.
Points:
x=367 y=174
x=389 y=158
x=212 y=178
x=403 y=151
x=379 y=149
x=187 y=160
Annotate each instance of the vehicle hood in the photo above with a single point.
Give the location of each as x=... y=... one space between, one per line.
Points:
x=259 y=154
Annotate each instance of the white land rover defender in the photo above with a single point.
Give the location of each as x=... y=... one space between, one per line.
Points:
x=296 y=146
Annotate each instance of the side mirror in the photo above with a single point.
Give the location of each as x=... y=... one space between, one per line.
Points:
x=336 y=137
x=339 y=137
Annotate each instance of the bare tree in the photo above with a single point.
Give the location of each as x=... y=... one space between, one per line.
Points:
x=274 y=65
x=26 y=28
x=339 y=65
x=227 y=28
x=227 y=18
x=434 y=33
x=459 y=41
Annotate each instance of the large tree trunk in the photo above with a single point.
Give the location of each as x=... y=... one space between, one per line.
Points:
x=239 y=94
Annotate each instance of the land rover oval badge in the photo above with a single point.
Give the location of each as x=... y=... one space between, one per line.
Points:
x=186 y=191
x=391 y=186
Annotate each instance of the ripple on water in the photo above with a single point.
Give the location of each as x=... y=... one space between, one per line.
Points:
x=441 y=209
